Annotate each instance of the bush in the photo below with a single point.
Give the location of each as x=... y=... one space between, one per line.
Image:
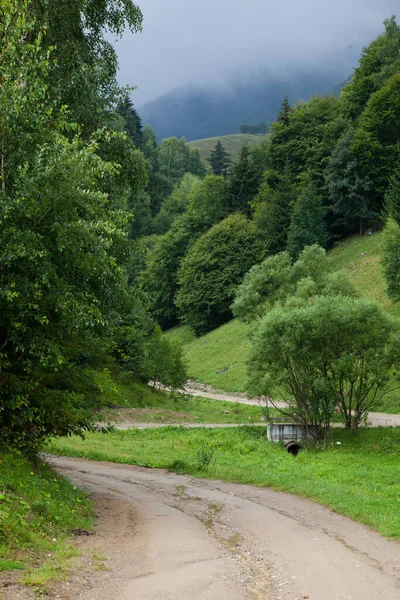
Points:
x=212 y=270
x=335 y=351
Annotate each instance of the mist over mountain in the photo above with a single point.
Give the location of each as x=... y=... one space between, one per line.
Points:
x=196 y=112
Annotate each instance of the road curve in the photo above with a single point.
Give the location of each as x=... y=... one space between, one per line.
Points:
x=170 y=537
x=375 y=419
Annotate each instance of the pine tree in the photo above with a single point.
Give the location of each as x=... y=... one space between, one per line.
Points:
x=244 y=183
x=219 y=160
x=284 y=112
x=133 y=123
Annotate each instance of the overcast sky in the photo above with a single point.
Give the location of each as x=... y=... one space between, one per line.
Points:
x=210 y=42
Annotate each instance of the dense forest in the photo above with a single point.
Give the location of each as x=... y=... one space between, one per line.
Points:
x=108 y=236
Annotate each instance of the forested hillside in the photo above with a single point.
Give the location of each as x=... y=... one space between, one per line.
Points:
x=110 y=235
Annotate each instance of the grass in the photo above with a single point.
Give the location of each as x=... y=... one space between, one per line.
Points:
x=145 y=404
x=39 y=510
x=219 y=358
x=232 y=144
x=361 y=258
x=358 y=478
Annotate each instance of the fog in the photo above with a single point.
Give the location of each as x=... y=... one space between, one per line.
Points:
x=214 y=42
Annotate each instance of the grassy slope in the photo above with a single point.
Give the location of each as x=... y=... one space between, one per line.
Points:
x=231 y=143
x=38 y=512
x=228 y=346
x=358 y=478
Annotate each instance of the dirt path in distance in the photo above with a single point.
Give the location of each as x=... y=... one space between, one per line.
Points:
x=375 y=419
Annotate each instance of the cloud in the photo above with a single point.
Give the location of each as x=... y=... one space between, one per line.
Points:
x=211 y=42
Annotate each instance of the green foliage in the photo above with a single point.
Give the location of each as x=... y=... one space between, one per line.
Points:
x=335 y=351
x=307 y=226
x=348 y=190
x=219 y=160
x=273 y=208
x=378 y=62
x=213 y=268
x=277 y=280
x=392 y=196
x=177 y=203
x=209 y=201
x=391 y=258
x=244 y=182
x=132 y=123
x=160 y=278
x=176 y=159
x=84 y=64
x=65 y=297
x=302 y=140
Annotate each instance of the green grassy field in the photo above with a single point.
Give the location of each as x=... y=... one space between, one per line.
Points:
x=358 y=478
x=39 y=510
x=231 y=143
x=219 y=358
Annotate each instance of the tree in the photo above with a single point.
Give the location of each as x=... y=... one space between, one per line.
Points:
x=213 y=268
x=219 y=160
x=391 y=258
x=82 y=74
x=307 y=226
x=177 y=203
x=132 y=121
x=209 y=202
x=273 y=207
x=244 y=182
x=276 y=280
x=302 y=141
x=348 y=190
x=335 y=352
x=392 y=196
x=65 y=295
x=285 y=112
x=159 y=280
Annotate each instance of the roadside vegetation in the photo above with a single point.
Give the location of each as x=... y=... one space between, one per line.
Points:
x=138 y=403
x=356 y=476
x=39 y=512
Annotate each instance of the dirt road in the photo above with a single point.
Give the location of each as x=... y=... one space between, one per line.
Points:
x=375 y=419
x=170 y=537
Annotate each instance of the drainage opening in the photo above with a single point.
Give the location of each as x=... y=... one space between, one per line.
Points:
x=293 y=448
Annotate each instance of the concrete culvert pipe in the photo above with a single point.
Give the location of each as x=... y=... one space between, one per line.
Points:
x=293 y=447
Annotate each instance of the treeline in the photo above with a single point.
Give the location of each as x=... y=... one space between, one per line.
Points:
x=321 y=175
x=260 y=129
x=74 y=165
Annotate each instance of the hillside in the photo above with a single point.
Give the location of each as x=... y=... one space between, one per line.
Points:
x=219 y=357
x=232 y=144
x=196 y=112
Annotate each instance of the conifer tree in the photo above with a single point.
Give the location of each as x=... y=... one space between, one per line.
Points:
x=219 y=160
x=284 y=112
x=244 y=183
x=133 y=123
